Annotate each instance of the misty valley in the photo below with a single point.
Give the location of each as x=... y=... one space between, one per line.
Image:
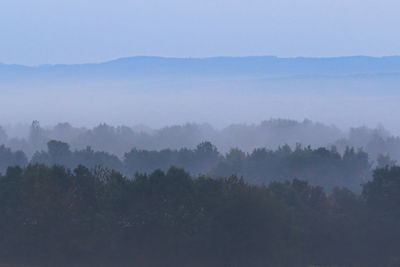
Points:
x=277 y=193
x=199 y=133
x=254 y=161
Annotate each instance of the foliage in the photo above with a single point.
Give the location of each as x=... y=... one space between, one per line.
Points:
x=321 y=166
x=50 y=216
x=10 y=158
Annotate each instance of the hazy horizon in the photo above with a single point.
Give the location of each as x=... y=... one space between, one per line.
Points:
x=47 y=32
x=159 y=92
x=210 y=133
x=200 y=62
x=114 y=59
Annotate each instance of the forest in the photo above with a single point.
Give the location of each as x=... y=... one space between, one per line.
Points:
x=212 y=133
x=120 y=139
x=321 y=166
x=52 y=216
x=195 y=206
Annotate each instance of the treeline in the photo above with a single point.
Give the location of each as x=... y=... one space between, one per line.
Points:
x=322 y=166
x=11 y=158
x=50 y=216
x=271 y=134
x=118 y=140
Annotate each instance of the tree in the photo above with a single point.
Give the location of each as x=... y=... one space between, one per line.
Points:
x=9 y=158
x=384 y=161
x=3 y=136
x=382 y=196
x=36 y=136
x=59 y=153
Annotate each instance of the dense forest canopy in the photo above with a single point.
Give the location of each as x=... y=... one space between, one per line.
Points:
x=50 y=216
x=73 y=204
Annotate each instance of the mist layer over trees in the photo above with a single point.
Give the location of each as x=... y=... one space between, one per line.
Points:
x=158 y=92
x=276 y=193
x=270 y=134
x=113 y=196
x=266 y=193
x=119 y=140
x=323 y=167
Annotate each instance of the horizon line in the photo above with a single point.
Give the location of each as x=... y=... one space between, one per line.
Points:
x=193 y=58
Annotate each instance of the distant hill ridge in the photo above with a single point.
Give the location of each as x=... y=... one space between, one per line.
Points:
x=254 y=65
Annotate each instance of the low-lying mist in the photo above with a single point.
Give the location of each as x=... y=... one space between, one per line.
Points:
x=175 y=103
x=158 y=92
x=270 y=134
x=343 y=102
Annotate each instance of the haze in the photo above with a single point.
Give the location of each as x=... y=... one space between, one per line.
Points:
x=186 y=85
x=201 y=133
x=158 y=92
x=70 y=32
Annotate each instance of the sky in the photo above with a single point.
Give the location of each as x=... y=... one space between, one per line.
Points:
x=82 y=31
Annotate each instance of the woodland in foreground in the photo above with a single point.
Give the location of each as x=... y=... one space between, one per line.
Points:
x=50 y=216
x=195 y=207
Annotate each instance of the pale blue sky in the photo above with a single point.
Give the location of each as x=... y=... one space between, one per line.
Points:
x=76 y=31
